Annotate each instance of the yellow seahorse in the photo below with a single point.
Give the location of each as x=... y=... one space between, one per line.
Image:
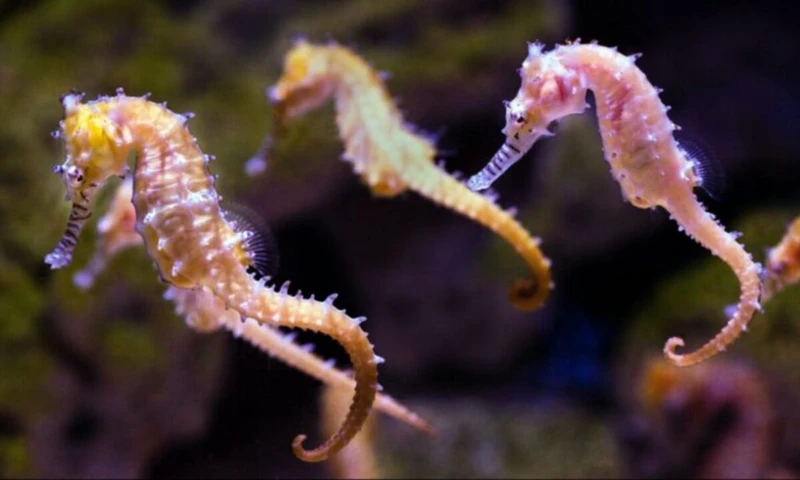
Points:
x=204 y=312
x=650 y=166
x=783 y=263
x=389 y=155
x=184 y=230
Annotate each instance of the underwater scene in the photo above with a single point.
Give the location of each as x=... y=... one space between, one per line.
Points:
x=399 y=239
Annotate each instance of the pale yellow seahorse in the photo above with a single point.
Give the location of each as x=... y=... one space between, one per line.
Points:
x=391 y=156
x=204 y=312
x=185 y=233
x=650 y=166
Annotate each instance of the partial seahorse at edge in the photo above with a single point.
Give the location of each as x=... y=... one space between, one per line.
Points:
x=116 y=231
x=184 y=231
x=390 y=155
x=783 y=263
x=650 y=166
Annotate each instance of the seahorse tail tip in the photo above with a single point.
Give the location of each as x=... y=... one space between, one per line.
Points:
x=678 y=359
x=319 y=454
x=528 y=294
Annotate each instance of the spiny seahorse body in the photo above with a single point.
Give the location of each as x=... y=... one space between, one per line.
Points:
x=389 y=155
x=191 y=244
x=645 y=159
x=204 y=312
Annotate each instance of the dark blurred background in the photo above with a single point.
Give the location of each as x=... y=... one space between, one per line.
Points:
x=110 y=382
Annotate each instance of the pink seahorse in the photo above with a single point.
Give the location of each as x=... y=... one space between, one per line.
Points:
x=650 y=166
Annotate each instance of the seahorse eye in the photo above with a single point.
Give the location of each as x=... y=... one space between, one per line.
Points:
x=74 y=175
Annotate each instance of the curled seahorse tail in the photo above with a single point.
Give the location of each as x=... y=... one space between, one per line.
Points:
x=716 y=345
x=529 y=294
x=699 y=225
x=348 y=430
x=265 y=305
x=526 y=294
x=365 y=391
x=366 y=378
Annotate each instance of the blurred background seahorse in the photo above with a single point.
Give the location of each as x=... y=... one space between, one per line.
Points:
x=390 y=155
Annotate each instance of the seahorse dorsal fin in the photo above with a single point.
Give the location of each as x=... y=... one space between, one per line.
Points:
x=257 y=238
x=708 y=168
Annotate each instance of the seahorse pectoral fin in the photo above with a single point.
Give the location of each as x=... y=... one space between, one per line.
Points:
x=510 y=152
x=61 y=256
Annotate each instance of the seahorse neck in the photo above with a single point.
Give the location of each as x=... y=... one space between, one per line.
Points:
x=361 y=95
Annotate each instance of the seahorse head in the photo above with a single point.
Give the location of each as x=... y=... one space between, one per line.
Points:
x=92 y=154
x=548 y=93
x=305 y=82
x=92 y=157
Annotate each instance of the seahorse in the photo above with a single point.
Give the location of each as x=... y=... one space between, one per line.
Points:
x=650 y=166
x=204 y=312
x=185 y=233
x=389 y=155
x=783 y=263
